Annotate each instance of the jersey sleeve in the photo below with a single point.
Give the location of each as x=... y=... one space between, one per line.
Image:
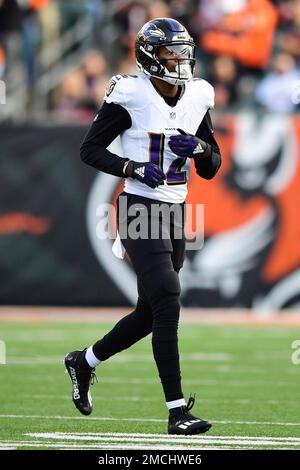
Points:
x=208 y=94
x=208 y=167
x=122 y=90
x=111 y=120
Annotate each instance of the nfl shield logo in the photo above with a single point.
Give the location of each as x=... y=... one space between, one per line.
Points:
x=172 y=115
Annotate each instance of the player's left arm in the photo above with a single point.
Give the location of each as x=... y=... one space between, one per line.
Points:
x=202 y=148
x=208 y=162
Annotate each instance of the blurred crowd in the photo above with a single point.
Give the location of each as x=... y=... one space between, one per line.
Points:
x=248 y=49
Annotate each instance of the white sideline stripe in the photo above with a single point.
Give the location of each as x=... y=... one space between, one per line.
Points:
x=166 y=436
x=185 y=440
x=140 y=420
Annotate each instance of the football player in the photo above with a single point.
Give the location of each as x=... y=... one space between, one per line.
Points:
x=162 y=117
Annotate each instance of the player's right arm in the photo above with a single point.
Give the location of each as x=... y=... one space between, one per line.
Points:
x=113 y=119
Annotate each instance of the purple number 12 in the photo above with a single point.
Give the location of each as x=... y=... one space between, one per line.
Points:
x=174 y=174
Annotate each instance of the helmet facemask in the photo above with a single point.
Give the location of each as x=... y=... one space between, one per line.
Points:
x=184 y=55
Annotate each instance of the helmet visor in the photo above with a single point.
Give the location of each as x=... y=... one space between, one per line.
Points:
x=185 y=51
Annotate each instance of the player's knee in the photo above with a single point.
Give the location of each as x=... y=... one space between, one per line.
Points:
x=170 y=284
x=163 y=290
x=143 y=308
x=161 y=281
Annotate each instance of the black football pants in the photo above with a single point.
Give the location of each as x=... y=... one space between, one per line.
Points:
x=157 y=262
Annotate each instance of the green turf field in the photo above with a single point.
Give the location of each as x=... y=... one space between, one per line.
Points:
x=243 y=378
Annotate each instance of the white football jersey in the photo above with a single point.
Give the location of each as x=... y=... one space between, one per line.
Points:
x=153 y=122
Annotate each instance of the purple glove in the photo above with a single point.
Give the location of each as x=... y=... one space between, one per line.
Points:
x=146 y=172
x=186 y=145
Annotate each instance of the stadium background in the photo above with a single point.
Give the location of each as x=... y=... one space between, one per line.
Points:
x=60 y=286
x=55 y=60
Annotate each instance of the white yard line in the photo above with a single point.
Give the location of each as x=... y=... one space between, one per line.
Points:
x=111 y=446
x=54 y=360
x=158 y=436
x=101 y=398
x=89 y=418
x=234 y=383
x=101 y=441
x=141 y=420
x=42 y=396
x=241 y=440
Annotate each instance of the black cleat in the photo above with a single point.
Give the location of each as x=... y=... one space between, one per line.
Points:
x=81 y=376
x=186 y=424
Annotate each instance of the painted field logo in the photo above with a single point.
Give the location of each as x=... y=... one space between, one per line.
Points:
x=2 y=352
x=2 y=92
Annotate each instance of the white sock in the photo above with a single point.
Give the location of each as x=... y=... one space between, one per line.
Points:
x=175 y=403
x=91 y=359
